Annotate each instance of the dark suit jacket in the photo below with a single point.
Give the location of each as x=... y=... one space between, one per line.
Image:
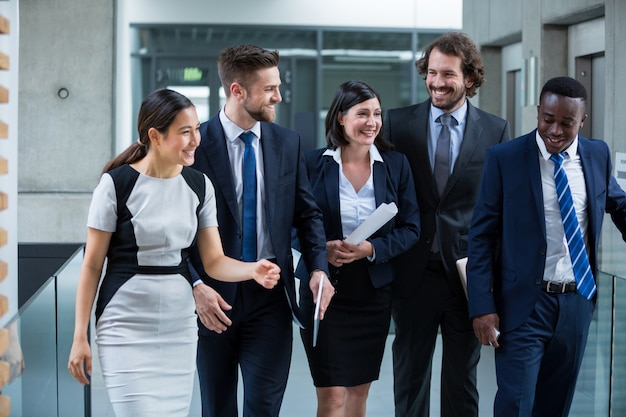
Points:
x=507 y=248
x=288 y=203
x=407 y=128
x=392 y=183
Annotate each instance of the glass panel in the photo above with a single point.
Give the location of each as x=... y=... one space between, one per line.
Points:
x=199 y=96
x=35 y=392
x=382 y=59
x=202 y=40
x=168 y=55
x=618 y=388
x=591 y=397
x=44 y=330
x=71 y=393
x=304 y=102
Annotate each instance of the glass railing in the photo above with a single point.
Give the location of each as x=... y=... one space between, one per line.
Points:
x=45 y=328
x=592 y=397
x=45 y=325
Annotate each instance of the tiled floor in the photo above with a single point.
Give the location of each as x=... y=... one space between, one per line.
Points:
x=300 y=398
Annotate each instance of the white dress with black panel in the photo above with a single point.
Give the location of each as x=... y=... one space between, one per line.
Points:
x=146 y=328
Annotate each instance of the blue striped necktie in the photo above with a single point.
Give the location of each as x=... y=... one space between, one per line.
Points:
x=249 y=199
x=585 y=283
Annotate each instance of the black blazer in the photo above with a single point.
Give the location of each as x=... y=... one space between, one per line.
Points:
x=288 y=203
x=408 y=129
x=393 y=182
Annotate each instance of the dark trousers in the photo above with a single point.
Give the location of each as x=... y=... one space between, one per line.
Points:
x=259 y=342
x=439 y=303
x=537 y=364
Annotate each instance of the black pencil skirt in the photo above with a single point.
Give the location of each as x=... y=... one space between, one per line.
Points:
x=352 y=336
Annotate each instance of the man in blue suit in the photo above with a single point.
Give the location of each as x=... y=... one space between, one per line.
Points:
x=521 y=277
x=241 y=324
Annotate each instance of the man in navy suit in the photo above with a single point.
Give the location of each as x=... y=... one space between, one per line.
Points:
x=241 y=324
x=427 y=292
x=521 y=278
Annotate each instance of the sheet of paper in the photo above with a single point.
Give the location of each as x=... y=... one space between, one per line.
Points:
x=375 y=221
x=461 y=266
x=316 y=315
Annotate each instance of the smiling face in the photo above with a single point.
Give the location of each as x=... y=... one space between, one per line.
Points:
x=559 y=118
x=362 y=122
x=445 y=81
x=260 y=97
x=178 y=145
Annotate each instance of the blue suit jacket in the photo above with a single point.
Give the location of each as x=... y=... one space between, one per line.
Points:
x=393 y=182
x=288 y=203
x=507 y=240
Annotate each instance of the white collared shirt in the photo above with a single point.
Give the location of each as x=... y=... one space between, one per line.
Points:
x=355 y=207
x=558 y=263
x=235 y=148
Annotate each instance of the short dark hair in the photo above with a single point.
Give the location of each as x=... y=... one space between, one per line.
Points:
x=348 y=95
x=239 y=64
x=461 y=45
x=564 y=86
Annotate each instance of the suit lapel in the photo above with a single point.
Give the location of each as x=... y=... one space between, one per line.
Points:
x=420 y=131
x=591 y=187
x=331 y=188
x=471 y=138
x=379 y=182
x=534 y=177
x=270 y=145
x=214 y=147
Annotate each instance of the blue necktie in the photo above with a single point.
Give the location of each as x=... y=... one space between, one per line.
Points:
x=585 y=282
x=249 y=199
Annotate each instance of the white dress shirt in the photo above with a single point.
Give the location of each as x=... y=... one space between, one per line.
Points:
x=354 y=206
x=558 y=263
x=236 y=147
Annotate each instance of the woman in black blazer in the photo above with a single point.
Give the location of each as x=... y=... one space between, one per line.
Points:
x=356 y=173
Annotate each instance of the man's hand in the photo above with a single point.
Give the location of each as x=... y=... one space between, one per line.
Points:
x=210 y=307
x=328 y=291
x=486 y=329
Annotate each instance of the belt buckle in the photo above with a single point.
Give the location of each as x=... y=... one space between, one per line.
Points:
x=555 y=287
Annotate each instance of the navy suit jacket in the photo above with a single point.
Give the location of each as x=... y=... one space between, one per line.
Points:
x=507 y=246
x=392 y=183
x=449 y=216
x=288 y=203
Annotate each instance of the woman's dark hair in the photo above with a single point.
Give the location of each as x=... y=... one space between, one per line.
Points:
x=158 y=110
x=461 y=45
x=348 y=95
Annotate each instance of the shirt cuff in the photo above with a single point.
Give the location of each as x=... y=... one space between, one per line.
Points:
x=373 y=257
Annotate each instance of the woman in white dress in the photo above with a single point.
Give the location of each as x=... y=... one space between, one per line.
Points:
x=146 y=212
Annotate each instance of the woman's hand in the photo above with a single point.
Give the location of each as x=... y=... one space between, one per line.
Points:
x=80 y=358
x=341 y=252
x=266 y=273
